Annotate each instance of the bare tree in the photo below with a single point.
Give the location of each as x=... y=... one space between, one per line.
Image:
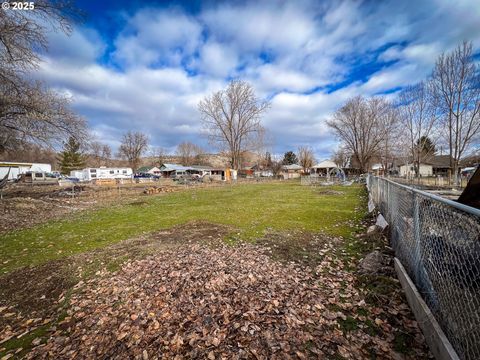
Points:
x=106 y=154
x=28 y=110
x=99 y=153
x=276 y=165
x=359 y=125
x=391 y=131
x=419 y=120
x=342 y=157
x=188 y=152
x=455 y=85
x=158 y=155
x=36 y=114
x=96 y=153
x=134 y=145
x=306 y=158
x=231 y=118
x=24 y=33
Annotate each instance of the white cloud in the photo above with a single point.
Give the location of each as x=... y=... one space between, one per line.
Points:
x=217 y=59
x=169 y=60
x=151 y=36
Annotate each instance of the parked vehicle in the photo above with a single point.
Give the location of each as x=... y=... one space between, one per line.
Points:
x=146 y=176
x=38 y=177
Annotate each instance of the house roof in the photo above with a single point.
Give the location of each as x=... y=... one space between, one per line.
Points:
x=292 y=167
x=145 y=168
x=439 y=161
x=173 y=167
x=325 y=164
x=201 y=167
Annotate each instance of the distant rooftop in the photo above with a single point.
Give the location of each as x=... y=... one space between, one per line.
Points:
x=292 y=167
x=325 y=164
x=173 y=167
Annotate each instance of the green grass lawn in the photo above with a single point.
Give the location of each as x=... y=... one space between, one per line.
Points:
x=251 y=209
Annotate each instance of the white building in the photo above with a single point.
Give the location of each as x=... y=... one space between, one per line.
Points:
x=408 y=170
x=291 y=171
x=90 y=174
x=18 y=168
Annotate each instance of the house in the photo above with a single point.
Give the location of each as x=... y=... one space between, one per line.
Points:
x=378 y=169
x=408 y=170
x=440 y=165
x=102 y=172
x=171 y=170
x=436 y=165
x=246 y=172
x=152 y=170
x=200 y=170
x=291 y=171
x=14 y=169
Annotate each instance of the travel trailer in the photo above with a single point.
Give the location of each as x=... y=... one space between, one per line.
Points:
x=90 y=174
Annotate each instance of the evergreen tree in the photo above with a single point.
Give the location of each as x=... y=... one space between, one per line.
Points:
x=268 y=160
x=426 y=146
x=71 y=158
x=290 y=158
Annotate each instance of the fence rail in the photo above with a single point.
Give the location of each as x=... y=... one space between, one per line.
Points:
x=438 y=242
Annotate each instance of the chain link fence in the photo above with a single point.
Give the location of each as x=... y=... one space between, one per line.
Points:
x=438 y=242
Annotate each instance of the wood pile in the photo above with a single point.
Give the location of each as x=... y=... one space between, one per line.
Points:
x=105 y=182
x=157 y=190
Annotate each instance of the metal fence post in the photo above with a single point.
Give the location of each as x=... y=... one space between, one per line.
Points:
x=416 y=237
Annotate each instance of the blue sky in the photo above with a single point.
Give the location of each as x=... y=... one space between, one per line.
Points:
x=144 y=66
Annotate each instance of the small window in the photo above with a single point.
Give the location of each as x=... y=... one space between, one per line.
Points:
x=112 y=172
x=94 y=176
x=124 y=171
x=39 y=175
x=93 y=170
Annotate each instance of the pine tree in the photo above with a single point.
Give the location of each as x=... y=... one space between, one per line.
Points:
x=290 y=158
x=427 y=147
x=71 y=158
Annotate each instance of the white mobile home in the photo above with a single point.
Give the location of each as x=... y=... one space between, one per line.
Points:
x=90 y=174
x=18 y=168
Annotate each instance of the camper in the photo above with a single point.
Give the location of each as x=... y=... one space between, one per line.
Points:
x=90 y=174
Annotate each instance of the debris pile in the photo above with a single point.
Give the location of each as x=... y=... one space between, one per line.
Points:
x=227 y=302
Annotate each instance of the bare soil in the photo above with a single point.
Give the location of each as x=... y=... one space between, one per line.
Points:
x=24 y=206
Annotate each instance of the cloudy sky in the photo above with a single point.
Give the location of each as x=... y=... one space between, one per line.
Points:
x=145 y=66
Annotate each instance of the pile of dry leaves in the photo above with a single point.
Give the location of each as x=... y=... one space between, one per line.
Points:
x=226 y=302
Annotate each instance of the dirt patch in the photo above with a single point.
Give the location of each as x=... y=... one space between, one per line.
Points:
x=295 y=246
x=137 y=203
x=23 y=212
x=330 y=192
x=33 y=292
x=25 y=206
